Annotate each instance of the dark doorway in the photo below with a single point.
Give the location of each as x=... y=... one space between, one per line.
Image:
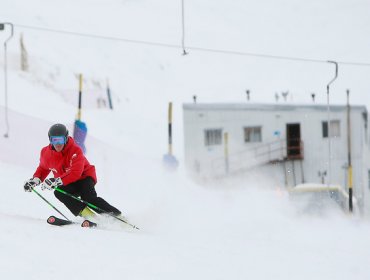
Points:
x=294 y=143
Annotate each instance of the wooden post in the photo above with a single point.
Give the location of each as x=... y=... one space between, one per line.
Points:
x=24 y=56
x=109 y=96
x=170 y=128
x=79 y=98
x=226 y=152
x=80 y=128
x=168 y=159
x=350 y=188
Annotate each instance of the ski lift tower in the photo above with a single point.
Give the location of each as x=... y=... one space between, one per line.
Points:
x=2 y=27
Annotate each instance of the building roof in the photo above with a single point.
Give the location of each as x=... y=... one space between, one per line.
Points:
x=268 y=107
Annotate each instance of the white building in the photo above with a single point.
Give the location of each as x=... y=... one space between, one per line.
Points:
x=225 y=139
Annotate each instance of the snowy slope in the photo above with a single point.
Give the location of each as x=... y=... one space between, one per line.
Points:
x=243 y=231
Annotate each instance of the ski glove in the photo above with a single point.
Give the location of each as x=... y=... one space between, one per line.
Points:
x=31 y=183
x=52 y=183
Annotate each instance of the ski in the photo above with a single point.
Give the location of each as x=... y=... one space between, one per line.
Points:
x=88 y=224
x=55 y=221
x=52 y=220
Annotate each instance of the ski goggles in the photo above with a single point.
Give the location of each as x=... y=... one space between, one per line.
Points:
x=57 y=140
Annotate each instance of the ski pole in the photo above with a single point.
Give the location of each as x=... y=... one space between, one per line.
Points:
x=52 y=206
x=94 y=207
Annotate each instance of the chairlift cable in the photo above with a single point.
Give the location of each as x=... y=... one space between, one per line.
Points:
x=201 y=49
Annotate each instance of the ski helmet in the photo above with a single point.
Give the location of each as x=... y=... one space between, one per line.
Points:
x=58 y=130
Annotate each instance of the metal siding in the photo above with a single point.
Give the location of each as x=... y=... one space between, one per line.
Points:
x=233 y=117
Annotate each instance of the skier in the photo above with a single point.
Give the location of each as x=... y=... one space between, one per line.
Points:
x=72 y=173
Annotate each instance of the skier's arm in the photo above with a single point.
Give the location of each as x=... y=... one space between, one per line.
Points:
x=41 y=172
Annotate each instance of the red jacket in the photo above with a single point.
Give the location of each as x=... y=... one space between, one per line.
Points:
x=70 y=164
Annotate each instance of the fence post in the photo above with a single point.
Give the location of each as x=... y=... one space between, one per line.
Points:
x=109 y=96
x=226 y=152
x=24 y=55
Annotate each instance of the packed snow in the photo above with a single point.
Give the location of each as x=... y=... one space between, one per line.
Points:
x=241 y=229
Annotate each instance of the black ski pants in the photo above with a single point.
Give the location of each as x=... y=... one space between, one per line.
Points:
x=85 y=189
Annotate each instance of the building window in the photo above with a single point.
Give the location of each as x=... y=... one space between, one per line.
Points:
x=252 y=134
x=212 y=137
x=334 y=129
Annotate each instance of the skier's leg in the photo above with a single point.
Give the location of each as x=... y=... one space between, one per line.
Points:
x=88 y=193
x=72 y=204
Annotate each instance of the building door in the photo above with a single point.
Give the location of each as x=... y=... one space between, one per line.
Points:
x=294 y=145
